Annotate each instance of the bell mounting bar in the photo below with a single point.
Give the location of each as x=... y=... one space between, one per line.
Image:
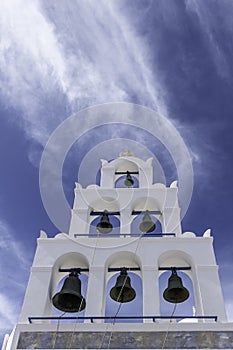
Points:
x=94 y=213
x=138 y=212
x=126 y=172
x=175 y=268
x=134 y=212
x=113 y=269
x=74 y=269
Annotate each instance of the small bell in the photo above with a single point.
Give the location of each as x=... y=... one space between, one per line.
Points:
x=122 y=291
x=147 y=225
x=175 y=292
x=104 y=226
x=70 y=299
x=128 y=181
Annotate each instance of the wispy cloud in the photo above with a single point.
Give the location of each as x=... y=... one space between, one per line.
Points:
x=8 y=313
x=9 y=245
x=14 y=262
x=211 y=15
x=75 y=52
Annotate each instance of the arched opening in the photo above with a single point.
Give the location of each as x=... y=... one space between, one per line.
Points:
x=124 y=259
x=133 y=308
x=112 y=219
x=135 y=224
x=120 y=182
x=177 y=258
x=183 y=309
x=68 y=261
x=59 y=313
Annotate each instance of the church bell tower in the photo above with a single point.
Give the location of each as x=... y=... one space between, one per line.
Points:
x=124 y=227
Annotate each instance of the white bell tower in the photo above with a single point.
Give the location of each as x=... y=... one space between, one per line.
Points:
x=126 y=192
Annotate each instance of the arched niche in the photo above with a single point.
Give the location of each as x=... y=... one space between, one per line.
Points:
x=101 y=204
x=142 y=170
x=184 y=309
x=58 y=313
x=136 y=221
x=67 y=261
x=177 y=258
x=141 y=205
x=120 y=182
x=124 y=165
x=134 y=307
x=114 y=220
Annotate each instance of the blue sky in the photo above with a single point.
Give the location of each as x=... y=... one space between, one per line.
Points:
x=58 y=57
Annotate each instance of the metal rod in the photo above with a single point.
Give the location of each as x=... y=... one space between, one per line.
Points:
x=176 y=268
x=113 y=269
x=95 y=213
x=78 y=269
x=126 y=172
x=91 y=318
x=92 y=235
x=138 y=212
x=134 y=212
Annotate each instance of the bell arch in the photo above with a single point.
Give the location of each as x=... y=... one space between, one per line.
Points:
x=120 y=181
x=131 y=308
x=179 y=259
x=56 y=312
x=127 y=162
x=119 y=279
x=114 y=221
x=102 y=204
x=183 y=309
x=66 y=261
x=142 y=205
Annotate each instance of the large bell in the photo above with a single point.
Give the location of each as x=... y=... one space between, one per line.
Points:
x=128 y=181
x=70 y=299
x=175 y=292
x=147 y=225
x=122 y=291
x=104 y=226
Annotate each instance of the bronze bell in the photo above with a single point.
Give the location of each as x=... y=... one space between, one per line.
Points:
x=104 y=226
x=128 y=181
x=122 y=291
x=175 y=292
x=147 y=225
x=70 y=299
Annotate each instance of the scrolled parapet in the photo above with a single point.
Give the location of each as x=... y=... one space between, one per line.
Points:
x=188 y=234
x=207 y=233
x=43 y=234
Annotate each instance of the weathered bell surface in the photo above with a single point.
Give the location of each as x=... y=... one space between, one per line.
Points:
x=122 y=291
x=69 y=299
x=147 y=225
x=175 y=292
x=128 y=181
x=104 y=226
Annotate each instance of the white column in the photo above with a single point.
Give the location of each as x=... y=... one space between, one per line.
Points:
x=125 y=221
x=37 y=300
x=79 y=222
x=107 y=177
x=171 y=220
x=95 y=301
x=150 y=291
x=211 y=298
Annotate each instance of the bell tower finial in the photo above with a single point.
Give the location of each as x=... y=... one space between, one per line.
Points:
x=126 y=153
